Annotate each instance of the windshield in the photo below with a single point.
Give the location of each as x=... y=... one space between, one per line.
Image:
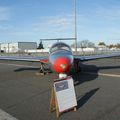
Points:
x=60 y=46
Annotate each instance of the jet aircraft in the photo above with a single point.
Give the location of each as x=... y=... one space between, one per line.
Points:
x=60 y=59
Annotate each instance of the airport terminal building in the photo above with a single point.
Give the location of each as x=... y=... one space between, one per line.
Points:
x=17 y=47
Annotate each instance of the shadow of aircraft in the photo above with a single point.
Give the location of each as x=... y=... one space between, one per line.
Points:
x=80 y=77
x=84 y=99
x=26 y=68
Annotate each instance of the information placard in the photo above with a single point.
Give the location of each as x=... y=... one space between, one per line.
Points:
x=65 y=94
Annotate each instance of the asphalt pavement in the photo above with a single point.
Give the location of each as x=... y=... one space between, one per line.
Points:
x=26 y=96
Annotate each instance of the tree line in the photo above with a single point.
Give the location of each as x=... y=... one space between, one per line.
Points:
x=110 y=46
x=86 y=44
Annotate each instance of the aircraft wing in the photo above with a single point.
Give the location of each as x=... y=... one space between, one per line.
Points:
x=29 y=59
x=93 y=57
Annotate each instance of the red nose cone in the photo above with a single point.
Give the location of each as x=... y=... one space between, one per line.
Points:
x=62 y=65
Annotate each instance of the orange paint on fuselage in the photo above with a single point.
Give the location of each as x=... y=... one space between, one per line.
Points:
x=62 y=65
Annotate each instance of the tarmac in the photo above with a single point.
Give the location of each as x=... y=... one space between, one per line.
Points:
x=26 y=96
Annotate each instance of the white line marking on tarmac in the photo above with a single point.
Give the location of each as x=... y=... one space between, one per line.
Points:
x=18 y=65
x=103 y=74
x=6 y=116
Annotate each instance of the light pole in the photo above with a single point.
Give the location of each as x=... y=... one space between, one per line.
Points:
x=8 y=47
x=0 y=47
x=75 y=25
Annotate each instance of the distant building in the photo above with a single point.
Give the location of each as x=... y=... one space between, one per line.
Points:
x=102 y=47
x=18 y=47
x=84 y=49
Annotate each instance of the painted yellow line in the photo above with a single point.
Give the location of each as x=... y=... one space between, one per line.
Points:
x=103 y=74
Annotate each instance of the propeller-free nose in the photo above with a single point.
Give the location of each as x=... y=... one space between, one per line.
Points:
x=62 y=65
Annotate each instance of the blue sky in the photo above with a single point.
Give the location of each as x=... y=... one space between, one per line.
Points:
x=30 y=20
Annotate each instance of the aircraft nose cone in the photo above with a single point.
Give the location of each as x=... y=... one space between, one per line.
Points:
x=61 y=65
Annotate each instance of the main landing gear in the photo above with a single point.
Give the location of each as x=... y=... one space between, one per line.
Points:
x=77 y=65
x=43 y=70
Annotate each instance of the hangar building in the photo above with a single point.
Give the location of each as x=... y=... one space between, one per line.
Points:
x=18 y=47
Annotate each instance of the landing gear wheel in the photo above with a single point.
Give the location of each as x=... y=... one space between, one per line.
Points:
x=79 y=69
x=42 y=70
x=77 y=66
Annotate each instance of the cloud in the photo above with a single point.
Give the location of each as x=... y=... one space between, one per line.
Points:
x=57 y=23
x=14 y=32
x=4 y=13
x=5 y=27
x=108 y=13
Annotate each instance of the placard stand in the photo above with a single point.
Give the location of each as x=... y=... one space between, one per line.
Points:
x=54 y=104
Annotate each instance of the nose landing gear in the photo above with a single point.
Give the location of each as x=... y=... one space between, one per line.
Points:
x=62 y=75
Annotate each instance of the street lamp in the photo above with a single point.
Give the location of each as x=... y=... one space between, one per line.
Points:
x=8 y=47
x=75 y=25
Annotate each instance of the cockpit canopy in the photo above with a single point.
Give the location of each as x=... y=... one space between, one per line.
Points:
x=59 y=46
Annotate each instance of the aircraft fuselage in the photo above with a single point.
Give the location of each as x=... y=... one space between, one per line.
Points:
x=61 y=59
